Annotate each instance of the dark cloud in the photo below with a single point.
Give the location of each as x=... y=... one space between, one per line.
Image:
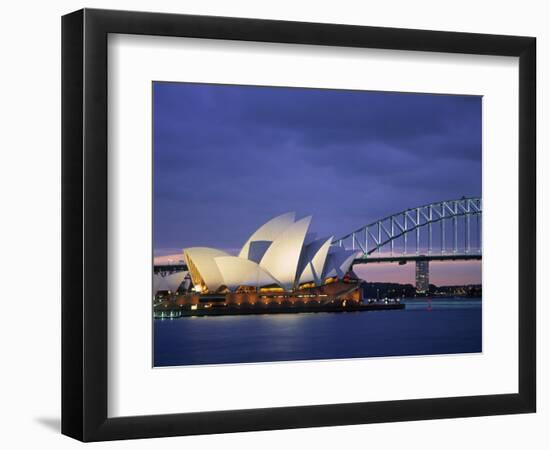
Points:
x=227 y=158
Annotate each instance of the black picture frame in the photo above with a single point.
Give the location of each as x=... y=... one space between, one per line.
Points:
x=84 y=224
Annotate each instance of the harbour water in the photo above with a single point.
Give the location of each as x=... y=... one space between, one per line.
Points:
x=424 y=327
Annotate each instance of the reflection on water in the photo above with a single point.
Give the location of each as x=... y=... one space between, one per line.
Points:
x=425 y=327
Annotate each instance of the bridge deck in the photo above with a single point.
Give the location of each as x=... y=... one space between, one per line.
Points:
x=402 y=259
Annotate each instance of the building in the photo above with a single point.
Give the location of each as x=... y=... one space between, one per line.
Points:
x=166 y=284
x=280 y=256
x=422 y=277
x=282 y=267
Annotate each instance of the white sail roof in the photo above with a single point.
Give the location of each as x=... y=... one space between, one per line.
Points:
x=242 y=272
x=281 y=252
x=258 y=243
x=169 y=282
x=339 y=262
x=313 y=261
x=202 y=258
x=282 y=257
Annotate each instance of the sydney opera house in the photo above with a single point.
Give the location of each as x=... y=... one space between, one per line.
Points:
x=281 y=265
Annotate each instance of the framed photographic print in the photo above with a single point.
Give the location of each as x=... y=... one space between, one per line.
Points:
x=273 y=224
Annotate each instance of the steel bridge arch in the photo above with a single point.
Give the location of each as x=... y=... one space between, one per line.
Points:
x=399 y=225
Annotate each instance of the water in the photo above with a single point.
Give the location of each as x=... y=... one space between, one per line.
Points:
x=442 y=326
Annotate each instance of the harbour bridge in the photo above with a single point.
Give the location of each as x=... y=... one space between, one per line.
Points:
x=447 y=230
x=442 y=231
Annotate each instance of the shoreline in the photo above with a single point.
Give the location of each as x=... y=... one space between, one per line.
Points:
x=234 y=311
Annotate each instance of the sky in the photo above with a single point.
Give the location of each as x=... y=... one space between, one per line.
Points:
x=229 y=158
